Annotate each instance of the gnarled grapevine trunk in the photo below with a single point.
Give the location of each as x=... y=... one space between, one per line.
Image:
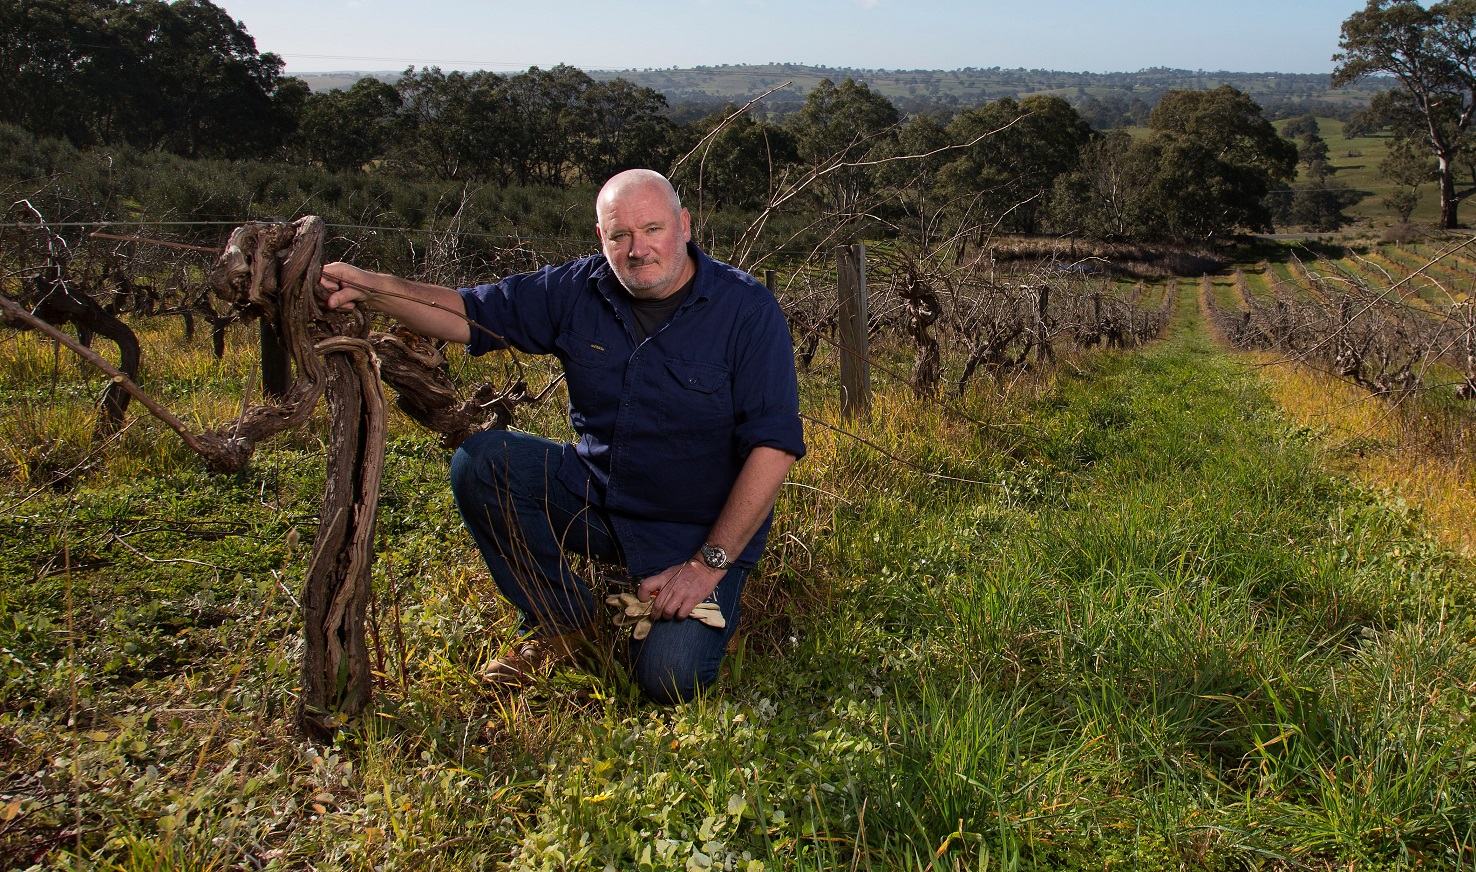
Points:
x=54 y=300
x=272 y=271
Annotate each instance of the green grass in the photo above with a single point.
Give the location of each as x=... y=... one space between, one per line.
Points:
x=1257 y=283
x=1355 y=162
x=1440 y=284
x=1146 y=633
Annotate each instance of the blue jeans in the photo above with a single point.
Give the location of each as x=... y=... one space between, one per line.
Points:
x=525 y=522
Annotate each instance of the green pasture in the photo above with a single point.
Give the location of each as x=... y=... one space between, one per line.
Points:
x=1355 y=162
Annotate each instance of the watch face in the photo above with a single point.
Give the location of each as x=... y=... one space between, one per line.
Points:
x=714 y=556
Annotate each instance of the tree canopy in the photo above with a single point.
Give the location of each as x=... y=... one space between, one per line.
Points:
x=184 y=78
x=179 y=76
x=1205 y=170
x=1017 y=151
x=839 y=127
x=1432 y=52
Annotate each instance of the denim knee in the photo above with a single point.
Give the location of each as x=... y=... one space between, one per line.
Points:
x=678 y=660
x=469 y=463
x=667 y=680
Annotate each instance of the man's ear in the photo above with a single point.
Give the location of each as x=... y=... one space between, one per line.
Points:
x=686 y=225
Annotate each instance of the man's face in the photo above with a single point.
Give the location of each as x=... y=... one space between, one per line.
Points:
x=645 y=241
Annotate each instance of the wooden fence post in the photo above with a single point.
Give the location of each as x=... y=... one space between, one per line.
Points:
x=771 y=281
x=1043 y=349
x=855 y=366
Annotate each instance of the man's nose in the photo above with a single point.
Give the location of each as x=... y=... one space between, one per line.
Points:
x=638 y=246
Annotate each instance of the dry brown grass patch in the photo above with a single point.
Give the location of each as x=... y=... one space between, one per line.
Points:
x=1373 y=442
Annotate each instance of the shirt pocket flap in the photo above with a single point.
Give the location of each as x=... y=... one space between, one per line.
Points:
x=702 y=377
x=582 y=350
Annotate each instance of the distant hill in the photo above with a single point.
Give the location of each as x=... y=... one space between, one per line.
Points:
x=339 y=80
x=690 y=91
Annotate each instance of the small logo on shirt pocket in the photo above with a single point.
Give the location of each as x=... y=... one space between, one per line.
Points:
x=582 y=350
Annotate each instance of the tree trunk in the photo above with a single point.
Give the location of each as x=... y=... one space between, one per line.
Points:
x=1449 y=201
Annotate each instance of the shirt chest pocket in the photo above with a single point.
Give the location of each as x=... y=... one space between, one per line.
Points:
x=582 y=350
x=698 y=399
x=592 y=375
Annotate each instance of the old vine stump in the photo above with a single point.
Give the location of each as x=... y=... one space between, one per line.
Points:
x=272 y=271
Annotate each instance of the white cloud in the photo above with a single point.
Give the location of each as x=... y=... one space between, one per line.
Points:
x=867 y=4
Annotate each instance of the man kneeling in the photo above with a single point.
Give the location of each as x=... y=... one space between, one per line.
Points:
x=682 y=389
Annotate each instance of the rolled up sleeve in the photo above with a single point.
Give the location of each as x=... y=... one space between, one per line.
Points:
x=522 y=311
x=766 y=389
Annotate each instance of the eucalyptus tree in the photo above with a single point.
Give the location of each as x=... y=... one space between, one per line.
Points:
x=345 y=130
x=1216 y=159
x=48 y=68
x=1302 y=125
x=618 y=126
x=181 y=76
x=838 y=130
x=1105 y=198
x=455 y=126
x=1408 y=167
x=1012 y=153
x=541 y=143
x=1205 y=169
x=1431 y=51
x=917 y=204
x=736 y=161
x=189 y=79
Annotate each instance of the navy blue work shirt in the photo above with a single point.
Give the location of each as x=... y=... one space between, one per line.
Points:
x=664 y=425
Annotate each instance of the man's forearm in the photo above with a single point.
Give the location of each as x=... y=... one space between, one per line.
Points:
x=433 y=311
x=676 y=590
x=751 y=499
x=429 y=310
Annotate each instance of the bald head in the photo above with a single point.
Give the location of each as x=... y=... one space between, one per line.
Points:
x=635 y=183
x=644 y=231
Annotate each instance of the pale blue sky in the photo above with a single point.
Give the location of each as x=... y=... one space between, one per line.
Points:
x=1292 y=36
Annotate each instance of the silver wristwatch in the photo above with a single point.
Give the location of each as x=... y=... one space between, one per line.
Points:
x=715 y=557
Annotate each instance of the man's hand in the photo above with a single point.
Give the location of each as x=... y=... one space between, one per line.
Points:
x=674 y=592
x=345 y=284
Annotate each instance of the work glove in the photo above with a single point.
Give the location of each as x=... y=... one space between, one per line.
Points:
x=632 y=612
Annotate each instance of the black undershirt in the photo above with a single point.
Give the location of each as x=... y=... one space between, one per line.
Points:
x=651 y=315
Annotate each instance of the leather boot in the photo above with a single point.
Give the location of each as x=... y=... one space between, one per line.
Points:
x=530 y=659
